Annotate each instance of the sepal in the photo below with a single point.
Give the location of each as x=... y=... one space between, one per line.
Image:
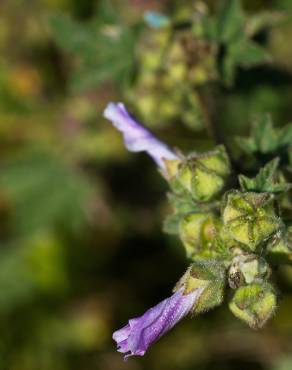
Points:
x=209 y=275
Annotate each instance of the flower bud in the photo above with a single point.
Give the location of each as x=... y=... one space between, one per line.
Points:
x=247 y=269
x=202 y=175
x=208 y=275
x=254 y=304
x=197 y=231
x=249 y=218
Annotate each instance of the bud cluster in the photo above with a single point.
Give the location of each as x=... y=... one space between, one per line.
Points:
x=233 y=237
x=172 y=66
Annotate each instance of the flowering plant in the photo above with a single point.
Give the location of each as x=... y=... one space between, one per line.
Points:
x=234 y=233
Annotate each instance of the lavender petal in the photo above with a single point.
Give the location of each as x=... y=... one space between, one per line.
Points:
x=141 y=332
x=136 y=137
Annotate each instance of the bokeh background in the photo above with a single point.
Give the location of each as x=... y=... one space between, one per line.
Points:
x=81 y=241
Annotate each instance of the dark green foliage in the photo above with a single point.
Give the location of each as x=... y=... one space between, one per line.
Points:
x=44 y=192
x=267 y=180
x=230 y=32
x=104 y=47
x=266 y=139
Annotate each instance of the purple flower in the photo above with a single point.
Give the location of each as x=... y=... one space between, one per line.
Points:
x=141 y=332
x=137 y=138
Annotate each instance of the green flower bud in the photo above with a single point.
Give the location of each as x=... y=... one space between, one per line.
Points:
x=254 y=304
x=249 y=218
x=202 y=175
x=247 y=269
x=206 y=274
x=197 y=232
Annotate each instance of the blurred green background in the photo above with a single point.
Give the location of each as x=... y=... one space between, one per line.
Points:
x=81 y=242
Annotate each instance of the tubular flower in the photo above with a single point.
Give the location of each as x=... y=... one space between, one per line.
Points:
x=136 y=137
x=141 y=332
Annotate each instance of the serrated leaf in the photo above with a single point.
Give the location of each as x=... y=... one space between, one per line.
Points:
x=264 y=134
x=242 y=53
x=104 y=48
x=266 y=180
x=285 y=135
x=246 y=144
x=249 y=54
x=239 y=49
x=265 y=139
x=230 y=20
x=270 y=139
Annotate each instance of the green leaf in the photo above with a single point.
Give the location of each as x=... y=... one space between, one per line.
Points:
x=70 y=35
x=230 y=21
x=266 y=180
x=45 y=192
x=285 y=135
x=264 y=134
x=249 y=54
x=245 y=144
x=265 y=139
x=239 y=49
x=104 y=48
x=242 y=53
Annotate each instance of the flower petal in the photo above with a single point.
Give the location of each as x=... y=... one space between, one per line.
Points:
x=141 y=332
x=136 y=137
